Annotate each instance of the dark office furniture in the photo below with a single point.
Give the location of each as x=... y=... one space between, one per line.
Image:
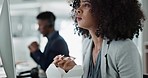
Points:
x=145 y=76
x=33 y=73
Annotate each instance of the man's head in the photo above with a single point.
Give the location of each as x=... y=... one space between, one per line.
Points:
x=46 y=22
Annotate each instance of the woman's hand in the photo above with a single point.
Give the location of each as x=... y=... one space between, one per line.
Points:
x=66 y=63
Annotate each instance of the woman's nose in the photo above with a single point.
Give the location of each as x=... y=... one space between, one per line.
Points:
x=78 y=11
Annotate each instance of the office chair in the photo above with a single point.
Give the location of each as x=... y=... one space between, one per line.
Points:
x=33 y=73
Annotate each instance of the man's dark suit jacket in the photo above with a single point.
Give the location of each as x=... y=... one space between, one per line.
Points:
x=56 y=45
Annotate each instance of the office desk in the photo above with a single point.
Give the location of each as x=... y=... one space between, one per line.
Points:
x=23 y=66
x=27 y=66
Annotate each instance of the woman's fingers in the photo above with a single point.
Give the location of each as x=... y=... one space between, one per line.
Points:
x=57 y=60
x=59 y=57
x=65 y=63
x=61 y=63
x=69 y=64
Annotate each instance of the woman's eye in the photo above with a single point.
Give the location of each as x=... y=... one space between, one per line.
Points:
x=87 y=5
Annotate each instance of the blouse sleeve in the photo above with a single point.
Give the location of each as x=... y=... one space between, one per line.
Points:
x=129 y=62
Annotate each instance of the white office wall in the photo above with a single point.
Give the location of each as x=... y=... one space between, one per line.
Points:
x=24 y=26
x=145 y=32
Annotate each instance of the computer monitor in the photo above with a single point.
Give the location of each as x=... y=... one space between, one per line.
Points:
x=6 y=50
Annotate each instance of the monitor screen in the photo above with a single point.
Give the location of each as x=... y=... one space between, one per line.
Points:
x=6 y=50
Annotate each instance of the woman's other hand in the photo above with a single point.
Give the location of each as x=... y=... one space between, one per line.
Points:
x=66 y=63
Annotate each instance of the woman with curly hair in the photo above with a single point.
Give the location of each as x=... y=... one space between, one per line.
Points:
x=111 y=26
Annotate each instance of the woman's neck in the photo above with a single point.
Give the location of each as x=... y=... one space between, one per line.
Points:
x=97 y=40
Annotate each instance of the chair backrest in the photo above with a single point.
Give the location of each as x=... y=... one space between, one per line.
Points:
x=33 y=73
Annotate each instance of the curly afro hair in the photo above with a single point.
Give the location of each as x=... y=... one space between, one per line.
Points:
x=118 y=19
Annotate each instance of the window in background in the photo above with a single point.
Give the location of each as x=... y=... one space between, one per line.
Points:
x=64 y=24
x=66 y=30
x=24 y=31
x=74 y=41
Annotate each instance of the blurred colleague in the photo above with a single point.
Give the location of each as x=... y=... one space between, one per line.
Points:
x=56 y=45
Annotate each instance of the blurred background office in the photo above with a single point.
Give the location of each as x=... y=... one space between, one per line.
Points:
x=24 y=30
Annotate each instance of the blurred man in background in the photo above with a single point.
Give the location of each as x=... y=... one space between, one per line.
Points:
x=56 y=45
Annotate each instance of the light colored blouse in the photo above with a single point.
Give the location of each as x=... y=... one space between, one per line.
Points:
x=95 y=70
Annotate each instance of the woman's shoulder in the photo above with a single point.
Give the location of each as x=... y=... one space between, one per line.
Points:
x=123 y=46
x=123 y=49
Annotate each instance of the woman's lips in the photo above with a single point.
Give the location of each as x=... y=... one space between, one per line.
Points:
x=79 y=18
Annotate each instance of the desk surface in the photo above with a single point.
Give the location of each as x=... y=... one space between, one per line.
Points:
x=23 y=66
x=20 y=66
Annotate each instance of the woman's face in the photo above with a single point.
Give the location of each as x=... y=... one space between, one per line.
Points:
x=84 y=15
